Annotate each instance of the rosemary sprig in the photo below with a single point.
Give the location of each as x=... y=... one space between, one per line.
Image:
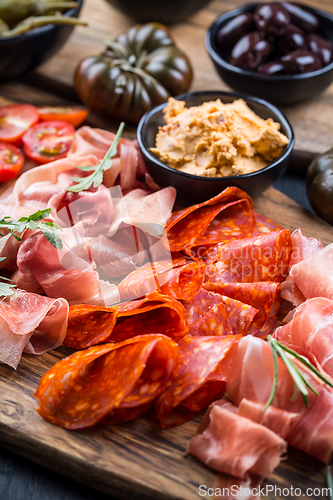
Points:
x=96 y=178
x=329 y=481
x=49 y=229
x=301 y=384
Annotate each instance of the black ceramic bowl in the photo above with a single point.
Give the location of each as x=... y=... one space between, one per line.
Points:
x=22 y=53
x=193 y=188
x=166 y=11
x=283 y=90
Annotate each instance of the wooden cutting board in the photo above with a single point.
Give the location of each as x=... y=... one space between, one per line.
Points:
x=137 y=459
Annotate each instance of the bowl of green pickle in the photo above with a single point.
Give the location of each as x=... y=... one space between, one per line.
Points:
x=32 y=31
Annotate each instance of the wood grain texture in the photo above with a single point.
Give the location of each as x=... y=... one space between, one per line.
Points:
x=137 y=459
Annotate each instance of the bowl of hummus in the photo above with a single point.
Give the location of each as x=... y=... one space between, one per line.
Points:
x=202 y=142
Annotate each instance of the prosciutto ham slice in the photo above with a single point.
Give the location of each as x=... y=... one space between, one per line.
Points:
x=223 y=445
x=302 y=248
x=32 y=323
x=251 y=377
x=311 y=330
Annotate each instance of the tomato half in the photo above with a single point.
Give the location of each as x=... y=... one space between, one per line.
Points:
x=48 y=141
x=15 y=121
x=11 y=161
x=73 y=115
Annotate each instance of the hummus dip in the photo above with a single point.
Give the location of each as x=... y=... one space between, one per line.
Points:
x=216 y=139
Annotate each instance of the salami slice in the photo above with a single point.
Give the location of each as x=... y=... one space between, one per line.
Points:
x=207 y=315
x=90 y=325
x=83 y=388
x=264 y=296
x=180 y=278
x=240 y=315
x=199 y=357
x=227 y=216
x=263 y=258
x=264 y=225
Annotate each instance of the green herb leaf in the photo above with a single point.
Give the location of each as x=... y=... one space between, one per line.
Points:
x=16 y=227
x=96 y=178
x=300 y=381
x=6 y=289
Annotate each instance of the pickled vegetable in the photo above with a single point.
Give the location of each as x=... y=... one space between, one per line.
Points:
x=235 y=29
x=251 y=51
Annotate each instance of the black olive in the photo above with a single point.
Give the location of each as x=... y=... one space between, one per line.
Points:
x=233 y=30
x=272 y=19
x=273 y=68
x=250 y=51
x=304 y=19
x=321 y=47
x=293 y=39
x=301 y=61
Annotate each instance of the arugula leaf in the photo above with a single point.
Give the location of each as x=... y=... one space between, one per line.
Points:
x=96 y=178
x=300 y=381
x=49 y=229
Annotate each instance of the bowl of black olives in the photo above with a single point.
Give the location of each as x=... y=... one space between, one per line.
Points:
x=279 y=51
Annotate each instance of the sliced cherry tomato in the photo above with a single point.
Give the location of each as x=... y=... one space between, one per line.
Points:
x=11 y=161
x=73 y=115
x=48 y=141
x=15 y=121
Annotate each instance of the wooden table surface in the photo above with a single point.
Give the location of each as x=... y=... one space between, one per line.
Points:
x=312 y=122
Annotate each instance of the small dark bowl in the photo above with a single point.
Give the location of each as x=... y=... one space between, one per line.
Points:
x=283 y=90
x=166 y=11
x=22 y=53
x=194 y=188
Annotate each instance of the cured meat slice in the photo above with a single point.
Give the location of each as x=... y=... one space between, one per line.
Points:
x=303 y=247
x=90 y=141
x=227 y=216
x=262 y=258
x=35 y=187
x=206 y=315
x=240 y=315
x=251 y=377
x=89 y=325
x=31 y=323
x=279 y=421
x=264 y=225
x=93 y=209
x=199 y=357
x=224 y=447
x=62 y=273
x=263 y=296
x=180 y=278
x=83 y=388
x=314 y=275
x=311 y=330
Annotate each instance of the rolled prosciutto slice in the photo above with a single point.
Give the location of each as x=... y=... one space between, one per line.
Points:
x=236 y=445
x=31 y=323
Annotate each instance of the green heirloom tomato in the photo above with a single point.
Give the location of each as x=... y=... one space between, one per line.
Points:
x=319 y=185
x=139 y=70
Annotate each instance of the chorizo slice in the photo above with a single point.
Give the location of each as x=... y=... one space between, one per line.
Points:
x=199 y=357
x=228 y=215
x=90 y=325
x=80 y=390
